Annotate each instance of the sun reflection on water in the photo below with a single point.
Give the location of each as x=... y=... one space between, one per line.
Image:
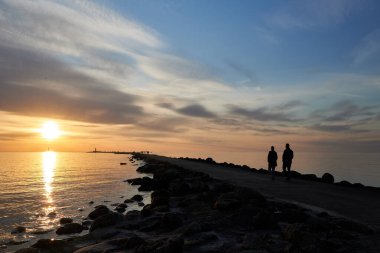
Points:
x=49 y=159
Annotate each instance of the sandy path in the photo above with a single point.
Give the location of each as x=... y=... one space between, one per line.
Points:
x=358 y=204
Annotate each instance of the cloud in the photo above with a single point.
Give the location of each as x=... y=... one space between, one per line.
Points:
x=266 y=35
x=193 y=110
x=249 y=76
x=35 y=84
x=368 y=48
x=344 y=110
x=310 y=14
x=262 y=113
x=196 y=110
x=12 y=136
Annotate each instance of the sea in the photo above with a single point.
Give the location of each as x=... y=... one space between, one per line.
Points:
x=37 y=189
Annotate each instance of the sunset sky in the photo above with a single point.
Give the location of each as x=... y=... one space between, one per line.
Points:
x=178 y=76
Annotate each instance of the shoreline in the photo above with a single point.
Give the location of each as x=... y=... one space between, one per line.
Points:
x=193 y=212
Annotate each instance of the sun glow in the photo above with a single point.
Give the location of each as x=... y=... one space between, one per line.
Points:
x=49 y=159
x=50 y=130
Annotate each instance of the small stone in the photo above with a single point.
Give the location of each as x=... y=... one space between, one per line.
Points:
x=65 y=220
x=328 y=178
x=137 y=198
x=52 y=215
x=70 y=228
x=18 y=230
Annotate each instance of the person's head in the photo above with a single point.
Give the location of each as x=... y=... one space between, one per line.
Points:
x=272 y=148
x=287 y=145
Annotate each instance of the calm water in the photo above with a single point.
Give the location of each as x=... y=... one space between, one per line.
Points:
x=36 y=184
x=354 y=167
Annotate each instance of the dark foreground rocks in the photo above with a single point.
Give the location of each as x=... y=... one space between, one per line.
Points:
x=191 y=212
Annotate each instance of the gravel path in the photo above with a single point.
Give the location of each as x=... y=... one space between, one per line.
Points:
x=358 y=204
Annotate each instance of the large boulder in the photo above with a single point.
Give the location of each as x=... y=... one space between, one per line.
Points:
x=171 y=221
x=170 y=245
x=137 y=198
x=310 y=177
x=328 y=178
x=49 y=244
x=106 y=220
x=65 y=220
x=264 y=220
x=99 y=211
x=159 y=198
x=70 y=228
x=147 y=184
x=228 y=201
x=179 y=187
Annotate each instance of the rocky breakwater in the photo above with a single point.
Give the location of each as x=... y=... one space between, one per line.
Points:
x=191 y=212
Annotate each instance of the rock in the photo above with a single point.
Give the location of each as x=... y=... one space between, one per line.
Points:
x=140 y=204
x=223 y=188
x=106 y=220
x=86 y=223
x=264 y=220
x=300 y=237
x=171 y=221
x=147 y=184
x=311 y=177
x=178 y=187
x=292 y=215
x=65 y=220
x=134 y=242
x=18 y=230
x=150 y=224
x=198 y=186
x=251 y=196
x=354 y=226
x=193 y=228
x=120 y=209
x=49 y=244
x=27 y=250
x=52 y=215
x=40 y=231
x=344 y=183
x=137 y=198
x=132 y=215
x=127 y=243
x=159 y=198
x=146 y=211
x=358 y=185
x=171 y=245
x=210 y=160
x=147 y=168
x=99 y=211
x=70 y=228
x=91 y=202
x=328 y=178
x=227 y=201
x=295 y=174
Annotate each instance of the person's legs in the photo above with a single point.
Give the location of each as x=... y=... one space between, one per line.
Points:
x=288 y=166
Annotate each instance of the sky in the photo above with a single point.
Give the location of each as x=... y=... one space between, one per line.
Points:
x=185 y=76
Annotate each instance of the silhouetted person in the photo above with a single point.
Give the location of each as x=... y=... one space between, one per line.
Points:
x=272 y=161
x=287 y=158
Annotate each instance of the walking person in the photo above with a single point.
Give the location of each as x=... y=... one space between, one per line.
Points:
x=272 y=162
x=287 y=158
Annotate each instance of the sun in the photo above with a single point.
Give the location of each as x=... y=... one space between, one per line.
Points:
x=50 y=130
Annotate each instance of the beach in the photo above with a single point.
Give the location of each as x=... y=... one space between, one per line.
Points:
x=201 y=207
